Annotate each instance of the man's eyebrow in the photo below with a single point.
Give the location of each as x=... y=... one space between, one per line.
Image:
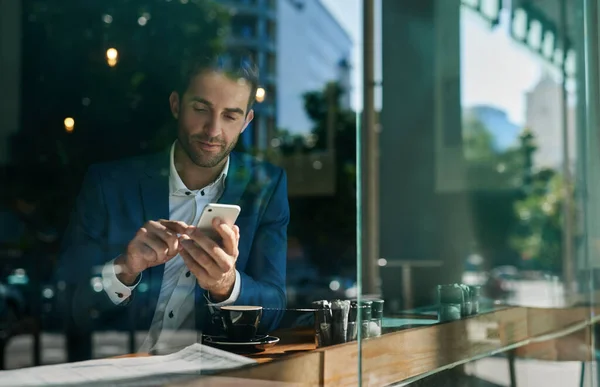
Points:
x=235 y=110
x=201 y=100
x=208 y=103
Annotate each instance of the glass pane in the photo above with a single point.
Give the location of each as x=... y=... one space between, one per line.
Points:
x=459 y=198
x=125 y=128
x=478 y=192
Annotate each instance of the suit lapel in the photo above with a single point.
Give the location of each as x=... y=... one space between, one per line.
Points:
x=154 y=190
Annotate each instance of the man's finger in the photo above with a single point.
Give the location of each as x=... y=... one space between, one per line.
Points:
x=227 y=236
x=158 y=245
x=174 y=225
x=195 y=268
x=221 y=258
x=168 y=236
x=201 y=258
x=147 y=252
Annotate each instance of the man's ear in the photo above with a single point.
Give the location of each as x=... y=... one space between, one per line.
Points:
x=249 y=118
x=174 y=104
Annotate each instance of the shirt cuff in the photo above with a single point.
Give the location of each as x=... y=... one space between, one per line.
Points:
x=235 y=293
x=115 y=289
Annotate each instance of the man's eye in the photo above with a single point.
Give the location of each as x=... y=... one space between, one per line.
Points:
x=199 y=109
x=230 y=118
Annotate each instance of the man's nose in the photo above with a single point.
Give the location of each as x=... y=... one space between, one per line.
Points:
x=212 y=126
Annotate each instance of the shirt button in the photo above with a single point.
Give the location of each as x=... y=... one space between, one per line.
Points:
x=188 y=193
x=171 y=314
x=188 y=274
x=120 y=295
x=202 y=193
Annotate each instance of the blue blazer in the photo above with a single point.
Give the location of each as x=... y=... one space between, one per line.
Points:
x=117 y=198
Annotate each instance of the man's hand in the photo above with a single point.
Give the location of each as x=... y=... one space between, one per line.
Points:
x=154 y=244
x=211 y=263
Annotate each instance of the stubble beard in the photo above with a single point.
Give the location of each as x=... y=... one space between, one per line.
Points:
x=203 y=159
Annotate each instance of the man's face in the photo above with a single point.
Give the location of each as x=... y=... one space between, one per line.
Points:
x=211 y=115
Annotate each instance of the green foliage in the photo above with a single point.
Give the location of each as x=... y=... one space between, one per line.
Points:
x=517 y=212
x=538 y=235
x=488 y=168
x=478 y=143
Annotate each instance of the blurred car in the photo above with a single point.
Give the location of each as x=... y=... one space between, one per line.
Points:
x=28 y=249
x=506 y=272
x=499 y=284
x=12 y=309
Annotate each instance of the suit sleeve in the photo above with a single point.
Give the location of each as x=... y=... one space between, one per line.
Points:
x=263 y=283
x=83 y=255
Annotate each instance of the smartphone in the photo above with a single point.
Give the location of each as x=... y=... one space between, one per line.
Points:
x=227 y=212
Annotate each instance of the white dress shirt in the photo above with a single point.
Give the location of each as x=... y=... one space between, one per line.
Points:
x=175 y=306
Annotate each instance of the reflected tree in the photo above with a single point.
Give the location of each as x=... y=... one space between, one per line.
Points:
x=516 y=210
x=478 y=142
x=495 y=177
x=538 y=234
x=326 y=225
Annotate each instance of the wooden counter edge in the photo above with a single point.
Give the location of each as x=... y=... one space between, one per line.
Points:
x=386 y=359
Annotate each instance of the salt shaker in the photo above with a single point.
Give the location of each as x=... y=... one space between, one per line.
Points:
x=450 y=294
x=451 y=301
x=376 y=324
x=449 y=312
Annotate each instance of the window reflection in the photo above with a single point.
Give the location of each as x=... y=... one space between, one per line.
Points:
x=474 y=159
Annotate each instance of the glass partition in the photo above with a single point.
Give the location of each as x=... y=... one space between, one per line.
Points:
x=117 y=120
x=482 y=200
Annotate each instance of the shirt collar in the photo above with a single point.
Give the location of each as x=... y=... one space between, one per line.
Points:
x=177 y=186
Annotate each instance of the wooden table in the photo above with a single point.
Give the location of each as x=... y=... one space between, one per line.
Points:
x=411 y=354
x=292 y=342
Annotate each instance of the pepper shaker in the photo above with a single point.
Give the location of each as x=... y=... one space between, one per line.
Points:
x=339 y=313
x=352 y=322
x=475 y=291
x=323 y=319
x=467 y=306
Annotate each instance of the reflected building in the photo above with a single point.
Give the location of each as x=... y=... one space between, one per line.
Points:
x=253 y=31
x=312 y=50
x=544 y=115
x=504 y=132
x=299 y=47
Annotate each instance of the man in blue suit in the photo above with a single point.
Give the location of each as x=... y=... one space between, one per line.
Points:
x=131 y=249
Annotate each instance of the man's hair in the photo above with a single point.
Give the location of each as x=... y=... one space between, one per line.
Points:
x=235 y=69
